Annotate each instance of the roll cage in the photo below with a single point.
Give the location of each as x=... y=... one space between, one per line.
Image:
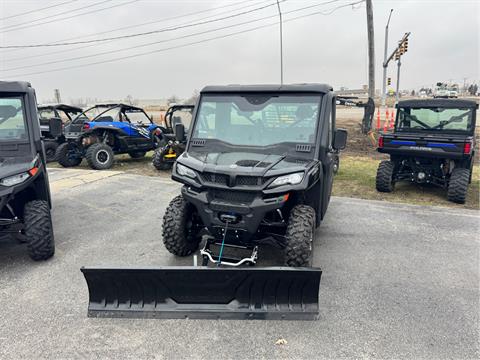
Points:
x=171 y=110
x=71 y=112
x=122 y=109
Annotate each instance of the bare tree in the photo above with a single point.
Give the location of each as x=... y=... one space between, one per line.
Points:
x=193 y=98
x=130 y=100
x=173 y=99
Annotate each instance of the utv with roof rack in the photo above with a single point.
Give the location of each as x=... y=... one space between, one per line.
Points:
x=257 y=172
x=54 y=113
x=433 y=142
x=170 y=148
x=104 y=130
x=24 y=192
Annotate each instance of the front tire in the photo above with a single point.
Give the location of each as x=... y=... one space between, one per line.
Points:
x=384 y=181
x=50 y=150
x=100 y=156
x=38 y=230
x=458 y=185
x=158 y=160
x=67 y=155
x=300 y=236
x=178 y=229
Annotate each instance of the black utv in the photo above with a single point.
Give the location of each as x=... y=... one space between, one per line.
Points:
x=171 y=148
x=257 y=170
x=433 y=142
x=48 y=113
x=24 y=192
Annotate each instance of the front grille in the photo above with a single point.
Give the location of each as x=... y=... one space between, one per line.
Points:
x=240 y=197
x=223 y=179
x=248 y=180
x=215 y=178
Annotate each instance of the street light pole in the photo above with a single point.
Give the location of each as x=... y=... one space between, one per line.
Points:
x=385 y=64
x=281 y=42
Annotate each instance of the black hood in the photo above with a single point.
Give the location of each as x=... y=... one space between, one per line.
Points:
x=247 y=163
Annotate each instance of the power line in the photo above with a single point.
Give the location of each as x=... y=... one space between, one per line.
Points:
x=154 y=21
x=70 y=17
x=183 y=45
x=54 y=15
x=140 y=34
x=36 y=10
x=163 y=41
x=129 y=27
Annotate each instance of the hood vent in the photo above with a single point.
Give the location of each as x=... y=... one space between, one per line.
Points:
x=303 y=148
x=198 y=142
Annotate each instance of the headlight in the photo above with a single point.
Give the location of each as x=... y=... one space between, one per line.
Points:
x=185 y=171
x=291 y=179
x=15 y=179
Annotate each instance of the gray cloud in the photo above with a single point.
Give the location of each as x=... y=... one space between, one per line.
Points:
x=444 y=45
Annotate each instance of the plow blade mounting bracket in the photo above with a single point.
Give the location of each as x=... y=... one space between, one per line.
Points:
x=272 y=293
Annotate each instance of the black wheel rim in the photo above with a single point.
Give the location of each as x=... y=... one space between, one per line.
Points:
x=102 y=156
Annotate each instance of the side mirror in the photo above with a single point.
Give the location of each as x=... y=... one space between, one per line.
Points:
x=55 y=127
x=340 y=139
x=180 y=132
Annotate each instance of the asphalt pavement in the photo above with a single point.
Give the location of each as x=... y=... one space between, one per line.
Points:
x=399 y=281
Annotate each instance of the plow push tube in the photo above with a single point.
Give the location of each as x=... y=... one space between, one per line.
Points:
x=271 y=293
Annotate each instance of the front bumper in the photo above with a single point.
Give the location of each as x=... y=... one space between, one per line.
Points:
x=248 y=212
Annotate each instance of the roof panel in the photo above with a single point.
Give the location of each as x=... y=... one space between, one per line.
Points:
x=449 y=103
x=307 y=88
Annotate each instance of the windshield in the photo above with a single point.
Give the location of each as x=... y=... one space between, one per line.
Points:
x=12 y=121
x=436 y=119
x=93 y=112
x=46 y=113
x=258 y=120
x=137 y=117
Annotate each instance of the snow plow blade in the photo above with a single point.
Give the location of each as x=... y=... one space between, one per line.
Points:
x=272 y=293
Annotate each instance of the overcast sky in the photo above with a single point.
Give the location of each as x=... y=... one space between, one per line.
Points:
x=330 y=47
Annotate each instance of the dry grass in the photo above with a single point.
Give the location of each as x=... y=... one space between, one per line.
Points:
x=356 y=178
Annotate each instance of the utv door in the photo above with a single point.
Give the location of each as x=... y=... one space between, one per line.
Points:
x=329 y=160
x=138 y=130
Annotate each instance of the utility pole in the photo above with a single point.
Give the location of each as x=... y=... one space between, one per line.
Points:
x=371 y=51
x=56 y=94
x=385 y=64
x=281 y=42
x=370 y=109
x=397 y=95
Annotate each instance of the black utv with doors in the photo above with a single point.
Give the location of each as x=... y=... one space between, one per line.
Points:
x=62 y=113
x=24 y=192
x=433 y=142
x=257 y=170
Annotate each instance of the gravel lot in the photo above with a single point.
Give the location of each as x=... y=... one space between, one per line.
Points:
x=399 y=281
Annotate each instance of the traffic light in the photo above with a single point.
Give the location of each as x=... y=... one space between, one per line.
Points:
x=405 y=46
x=397 y=54
x=389 y=81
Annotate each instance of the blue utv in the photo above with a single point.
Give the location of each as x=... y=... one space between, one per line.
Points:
x=107 y=129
